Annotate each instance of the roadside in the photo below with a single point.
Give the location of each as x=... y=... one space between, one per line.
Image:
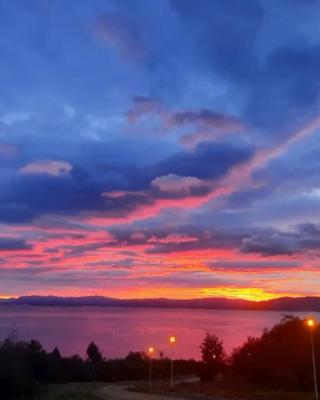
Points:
x=102 y=391
x=139 y=391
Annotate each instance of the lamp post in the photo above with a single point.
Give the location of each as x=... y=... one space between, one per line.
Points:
x=311 y=324
x=150 y=352
x=172 y=341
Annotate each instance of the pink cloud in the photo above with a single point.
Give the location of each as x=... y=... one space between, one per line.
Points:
x=173 y=238
x=172 y=183
x=138 y=236
x=47 y=167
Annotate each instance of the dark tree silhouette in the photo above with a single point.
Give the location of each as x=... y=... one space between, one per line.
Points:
x=95 y=360
x=94 y=354
x=281 y=357
x=213 y=357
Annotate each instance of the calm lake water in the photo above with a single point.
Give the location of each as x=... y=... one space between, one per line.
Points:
x=120 y=330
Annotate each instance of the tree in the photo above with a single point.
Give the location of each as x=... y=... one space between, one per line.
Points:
x=94 y=354
x=212 y=349
x=281 y=357
x=213 y=357
x=95 y=361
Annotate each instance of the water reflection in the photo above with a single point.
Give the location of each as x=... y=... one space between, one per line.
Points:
x=120 y=330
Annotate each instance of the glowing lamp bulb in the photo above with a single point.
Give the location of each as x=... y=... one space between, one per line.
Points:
x=310 y=322
x=172 y=339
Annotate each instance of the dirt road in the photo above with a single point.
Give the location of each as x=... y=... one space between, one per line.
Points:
x=120 y=392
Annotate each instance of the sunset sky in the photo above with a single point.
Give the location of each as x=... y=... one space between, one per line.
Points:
x=160 y=148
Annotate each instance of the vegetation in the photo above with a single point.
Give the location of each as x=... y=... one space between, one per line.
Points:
x=232 y=391
x=24 y=366
x=281 y=357
x=214 y=358
x=278 y=360
x=71 y=391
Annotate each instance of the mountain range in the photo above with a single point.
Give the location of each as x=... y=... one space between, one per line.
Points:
x=278 y=304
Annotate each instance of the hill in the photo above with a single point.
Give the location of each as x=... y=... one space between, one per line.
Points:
x=279 y=304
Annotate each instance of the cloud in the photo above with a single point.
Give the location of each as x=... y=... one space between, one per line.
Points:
x=254 y=266
x=13 y=244
x=225 y=168
x=15 y=117
x=226 y=90
x=69 y=111
x=206 y=119
x=122 y=34
x=164 y=240
x=272 y=66
x=194 y=240
x=208 y=126
x=270 y=244
x=207 y=161
x=242 y=174
x=304 y=238
x=238 y=175
x=201 y=125
x=173 y=238
x=172 y=183
x=143 y=106
x=47 y=167
x=138 y=236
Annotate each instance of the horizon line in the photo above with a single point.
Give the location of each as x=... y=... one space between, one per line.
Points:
x=159 y=298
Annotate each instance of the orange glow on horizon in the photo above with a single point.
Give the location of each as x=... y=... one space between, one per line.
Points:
x=252 y=294
x=240 y=293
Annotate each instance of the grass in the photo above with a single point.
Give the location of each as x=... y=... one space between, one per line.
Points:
x=90 y=391
x=211 y=391
x=70 y=391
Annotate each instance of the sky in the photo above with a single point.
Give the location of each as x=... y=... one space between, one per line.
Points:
x=164 y=148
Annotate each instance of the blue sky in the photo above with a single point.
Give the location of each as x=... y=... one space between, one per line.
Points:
x=164 y=147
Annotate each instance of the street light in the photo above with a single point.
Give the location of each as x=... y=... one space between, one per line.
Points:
x=150 y=352
x=311 y=324
x=172 y=341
